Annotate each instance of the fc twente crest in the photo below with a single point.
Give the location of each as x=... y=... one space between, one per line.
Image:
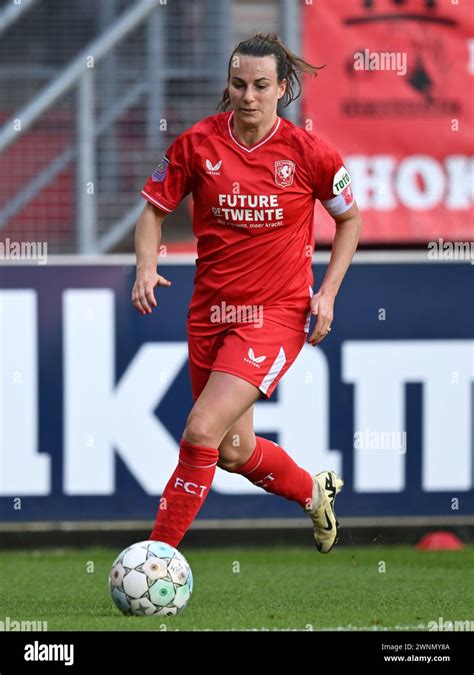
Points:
x=284 y=172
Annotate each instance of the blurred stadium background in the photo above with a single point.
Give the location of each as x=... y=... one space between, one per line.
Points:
x=93 y=398
x=106 y=86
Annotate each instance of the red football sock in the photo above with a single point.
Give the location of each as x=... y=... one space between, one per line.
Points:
x=185 y=492
x=272 y=469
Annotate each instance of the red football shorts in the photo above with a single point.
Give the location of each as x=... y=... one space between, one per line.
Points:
x=260 y=356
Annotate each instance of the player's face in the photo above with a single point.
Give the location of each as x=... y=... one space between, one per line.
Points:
x=254 y=89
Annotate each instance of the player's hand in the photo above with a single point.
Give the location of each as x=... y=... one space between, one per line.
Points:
x=143 y=296
x=322 y=306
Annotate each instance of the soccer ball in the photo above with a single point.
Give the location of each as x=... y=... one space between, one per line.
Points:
x=150 y=578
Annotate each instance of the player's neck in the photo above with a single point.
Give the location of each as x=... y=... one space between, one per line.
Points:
x=250 y=135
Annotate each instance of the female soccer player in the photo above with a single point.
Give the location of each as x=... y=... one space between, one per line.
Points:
x=254 y=178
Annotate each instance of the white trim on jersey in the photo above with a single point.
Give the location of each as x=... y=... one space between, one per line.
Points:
x=254 y=147
x=275 y=369
x=337 y=205
x=150 y=198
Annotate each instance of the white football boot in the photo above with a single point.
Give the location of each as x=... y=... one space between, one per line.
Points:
x=327 y=485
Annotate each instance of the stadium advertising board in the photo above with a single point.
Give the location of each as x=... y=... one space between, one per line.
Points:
x=94 y=397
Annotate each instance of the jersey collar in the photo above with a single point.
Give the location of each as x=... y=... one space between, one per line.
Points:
x=266 y=138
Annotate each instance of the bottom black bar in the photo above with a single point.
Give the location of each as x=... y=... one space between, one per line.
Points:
x=79 y=652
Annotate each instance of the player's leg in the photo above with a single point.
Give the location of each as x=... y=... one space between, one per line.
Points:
x=264 y=463
x=268 y=465
x=223 y=401
x=238 y=444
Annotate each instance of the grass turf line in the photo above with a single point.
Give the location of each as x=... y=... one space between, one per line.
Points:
x=251 y=589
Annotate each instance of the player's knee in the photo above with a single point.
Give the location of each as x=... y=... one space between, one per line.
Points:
x=230 y=458
x=199 y=430
x=228 y=464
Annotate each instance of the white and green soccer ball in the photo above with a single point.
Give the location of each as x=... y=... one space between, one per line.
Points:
x=150 y=578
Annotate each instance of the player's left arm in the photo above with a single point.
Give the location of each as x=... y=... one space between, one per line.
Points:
x=348 y=226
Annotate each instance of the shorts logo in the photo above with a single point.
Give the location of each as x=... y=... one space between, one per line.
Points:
x=213 y=170
x=159 y=174
x=341 y=181
x=284 y=172
x=254 y=360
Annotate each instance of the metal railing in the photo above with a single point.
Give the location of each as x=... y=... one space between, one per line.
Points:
x=80 y=77
x=80 y=72
x=11 y=13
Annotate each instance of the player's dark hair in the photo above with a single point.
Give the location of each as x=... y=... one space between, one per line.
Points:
x=288 y=65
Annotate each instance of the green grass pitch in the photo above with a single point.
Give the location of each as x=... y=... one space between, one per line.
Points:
x=372 y=588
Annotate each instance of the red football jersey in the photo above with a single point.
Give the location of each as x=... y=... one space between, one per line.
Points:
x=253 y=214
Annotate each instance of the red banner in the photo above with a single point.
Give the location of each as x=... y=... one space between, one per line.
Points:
x=396 y=98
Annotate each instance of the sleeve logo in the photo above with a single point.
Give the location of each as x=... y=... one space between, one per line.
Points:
x=341 y=181
x=159 y=174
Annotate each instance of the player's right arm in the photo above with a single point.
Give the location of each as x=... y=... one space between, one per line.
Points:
x=169 y=183
x=147 y=244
